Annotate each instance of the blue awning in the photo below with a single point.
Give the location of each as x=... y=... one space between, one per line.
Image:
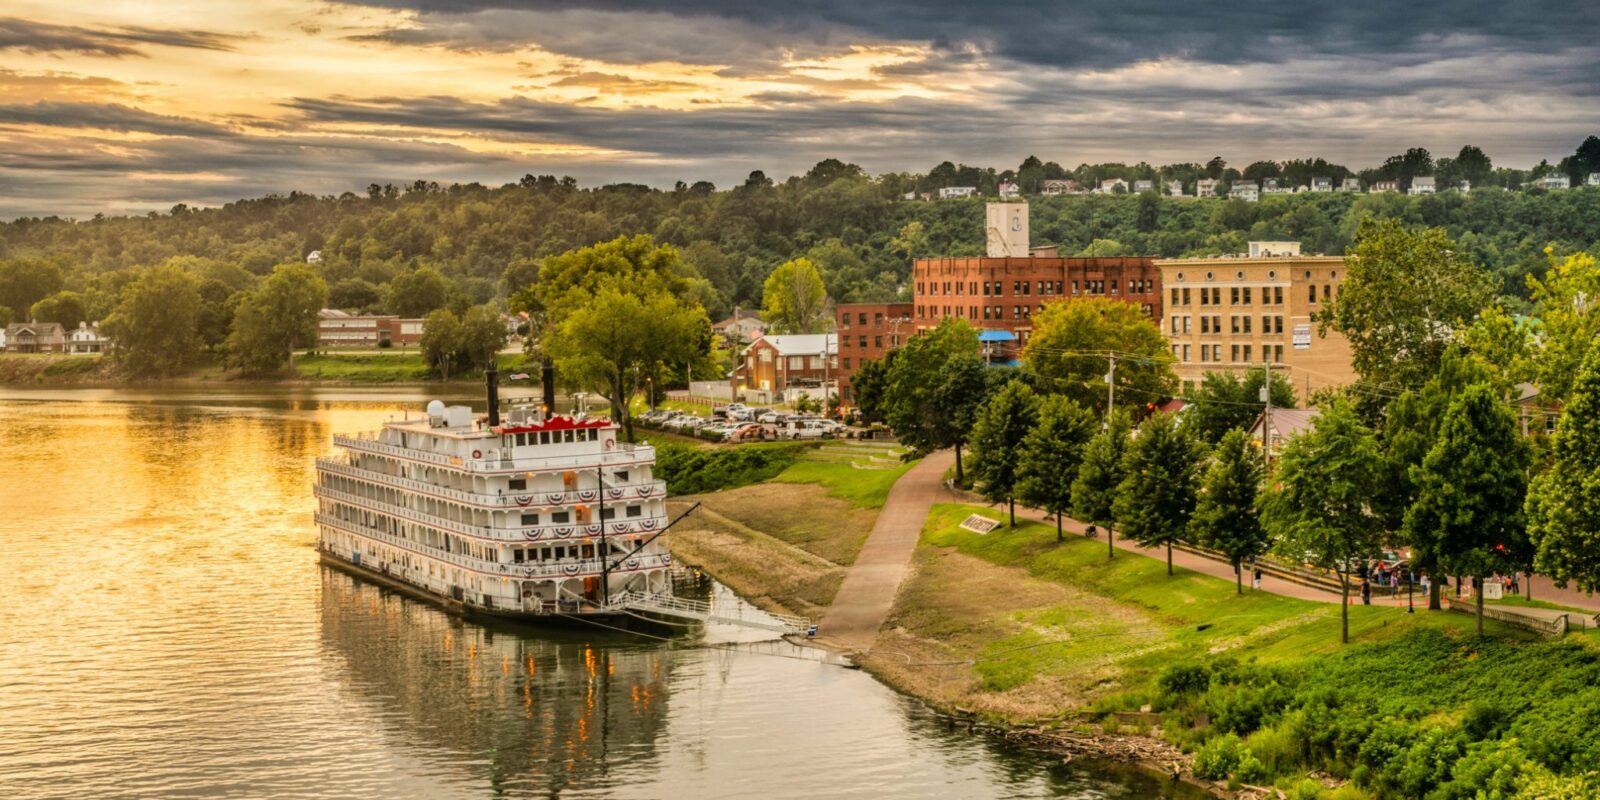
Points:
x=996 y=336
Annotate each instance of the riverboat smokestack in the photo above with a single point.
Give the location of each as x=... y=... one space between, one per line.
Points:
x=547 y=373
x=491 y=382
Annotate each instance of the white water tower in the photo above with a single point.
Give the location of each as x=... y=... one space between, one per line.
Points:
x=1008 y=229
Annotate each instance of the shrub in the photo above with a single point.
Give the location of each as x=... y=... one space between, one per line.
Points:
x=1219 y=758
x=691 y=470
x=1180 y=680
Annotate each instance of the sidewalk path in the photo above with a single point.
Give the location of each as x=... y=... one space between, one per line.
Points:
x=864 y=599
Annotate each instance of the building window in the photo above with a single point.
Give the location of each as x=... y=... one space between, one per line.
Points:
x=847 y=362
x=1186 y=353
x=1313 y=294
x=1233 y=295
x=862 y=317
x=1247 y=295
x=1247 y=352
x=519 y=484
x=1277 y=295
x=1203 y=353
x=1186 y=328
x=1327 y=290
x=1174 y=324
x=1233 y=353
x=1205 y=324
x=1185 y=295
x=877 y=341
x=561 y=517
x=1247 y=325
x=862 y=339
x=844 y=319
x=530 y=519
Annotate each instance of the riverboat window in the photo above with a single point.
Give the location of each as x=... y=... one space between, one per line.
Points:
x=530 y=519
x=607 y=513
x=634 y=511
x=516 y=555
x=519 y=484
x=566 y=437
x=561 y=517
x=621 y=476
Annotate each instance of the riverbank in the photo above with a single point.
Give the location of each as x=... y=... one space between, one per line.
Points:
x=321 y=369
x=1050 y=643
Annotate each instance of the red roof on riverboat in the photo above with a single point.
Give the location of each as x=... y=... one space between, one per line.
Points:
x=555 y=423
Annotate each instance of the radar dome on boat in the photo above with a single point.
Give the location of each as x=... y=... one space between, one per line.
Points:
x=435 y=408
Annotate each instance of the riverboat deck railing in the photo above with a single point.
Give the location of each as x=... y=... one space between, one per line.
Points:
x=704 y=611
x=576 y=568
x=623 y=453
x=615 y=493
x=557 y=533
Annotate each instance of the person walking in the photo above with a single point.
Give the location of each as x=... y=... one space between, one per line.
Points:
x=1255 y=578
x=1366 y=593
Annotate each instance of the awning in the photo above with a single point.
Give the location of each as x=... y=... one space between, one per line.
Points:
x=996 y=336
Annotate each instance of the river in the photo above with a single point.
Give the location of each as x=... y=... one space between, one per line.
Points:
x=167 y=631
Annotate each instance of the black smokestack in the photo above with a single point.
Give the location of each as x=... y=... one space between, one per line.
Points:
x=547 y=373
x=491 y=382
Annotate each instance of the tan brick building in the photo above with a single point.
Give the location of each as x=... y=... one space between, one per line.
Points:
x=1234 y=313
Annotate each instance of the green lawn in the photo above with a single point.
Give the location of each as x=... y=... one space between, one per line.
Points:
x=383 y=367
x=866 y=488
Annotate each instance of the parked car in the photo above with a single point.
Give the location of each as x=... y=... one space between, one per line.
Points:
x=746 y=432
x=742 y=413
x=801 y=429
x=771 y=418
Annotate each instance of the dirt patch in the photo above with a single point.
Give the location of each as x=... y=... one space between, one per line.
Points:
x=764 y=570
x=993 y=641
x=800 y=514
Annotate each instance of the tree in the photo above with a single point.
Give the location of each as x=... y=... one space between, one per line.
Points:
x=1223 y=402
x=962 y=389
x=353 y=294
x=914 y=407
x=793 y=299
x=1068 y=350
x=277 y=317
x=1051 y=453
x=1567 y=302
x=1003 y=422
x=627 y=263
x=64 y=307
x=1226 y=518
x=1160 y=484
x=619 y=338
x=868 y=386
x=1471 y=488
x=1318 y=509
x=482 y=336
x=1405 y=295
x=441 y=335
x=1563 y=503
x=1473 y=164
x=416 y=293
x=1094 y=488
x=24 y=282
x=155 y=323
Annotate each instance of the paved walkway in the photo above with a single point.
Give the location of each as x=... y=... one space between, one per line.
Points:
x=867 y=594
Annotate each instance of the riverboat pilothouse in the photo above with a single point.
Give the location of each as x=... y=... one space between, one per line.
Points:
x=538 y=516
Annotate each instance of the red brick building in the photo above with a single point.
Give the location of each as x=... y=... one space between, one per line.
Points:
x=772 y=365
x=866 y=332
x=336 y=328
x=1005 y=293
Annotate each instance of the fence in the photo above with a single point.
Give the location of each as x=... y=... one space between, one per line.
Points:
x=1554 y=627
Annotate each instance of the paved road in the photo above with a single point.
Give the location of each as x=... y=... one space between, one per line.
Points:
x=867 y=594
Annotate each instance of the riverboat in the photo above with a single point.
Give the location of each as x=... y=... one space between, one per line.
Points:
x=537 y=516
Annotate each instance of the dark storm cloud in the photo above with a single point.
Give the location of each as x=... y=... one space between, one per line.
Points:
x=1088 y=33
x=39 y=37
x=104 y=116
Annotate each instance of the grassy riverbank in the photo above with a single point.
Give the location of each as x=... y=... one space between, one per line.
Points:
x=334 y=367
x=1019 y=629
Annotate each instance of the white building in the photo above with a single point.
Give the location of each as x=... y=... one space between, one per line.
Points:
x=950 y=192
x=1246 y=191
x=1174 y=188
x=1274 y=249
x=1594 y=179
x=86 y=338
x=1384 y=187
x=1007 y=229
x=1144 y=186
x=1350 y=185
x=1465 y=185
x=1009 y=190
x=314 y=257
x=1055 y=186
x=1273 y=186
x=1554 y=180
x=1321 y=184
x=1110 y=185
x=1206 y=187
x=1422 y=184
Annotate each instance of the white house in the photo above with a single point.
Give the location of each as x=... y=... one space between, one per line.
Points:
x=1422 y=184
x=1465 y=185
x=1144 y=186
x=1554 y=180
x=1010 y=190
x=1174 y=188
x=314 y=257
x=1246 y=191
x=1110 y=185
x=86 y=338
x=1206 y=187
x=1055 y=186
x=1321 y=184
x=1350 y=185
x=1594 y=179
x=1273 y=186
x=950 y=192
x=1384 y=187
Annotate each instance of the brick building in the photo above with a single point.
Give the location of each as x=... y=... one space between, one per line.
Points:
x=339 y=329
x=866 y=332
x=1232 y=314
x=772 y=365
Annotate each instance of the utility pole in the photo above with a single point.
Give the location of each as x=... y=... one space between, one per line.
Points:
x=1266 y=418
x=1111 y=388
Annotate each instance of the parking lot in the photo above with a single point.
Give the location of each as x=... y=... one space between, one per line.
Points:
x=737 y=422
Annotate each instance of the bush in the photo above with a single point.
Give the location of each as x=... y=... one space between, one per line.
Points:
x=1181 y=680
x=691 y=470
x=1224 y=756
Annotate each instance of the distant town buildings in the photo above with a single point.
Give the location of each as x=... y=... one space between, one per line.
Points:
x=742 y=327
x=1554 y=180
x=1422 y=184
x=337 y=328
x=1593 y=180
x=952 y=192
x=1174 y=188
x=1008 y=190
x=1321 y=184
x=314 y=257
x=1246 y=191
x=1206 y=187
x=1232 y=314
x=1350 y=185
x=774 y=364
x=1144 y=186
x=1059 y=186
x=1111 y=185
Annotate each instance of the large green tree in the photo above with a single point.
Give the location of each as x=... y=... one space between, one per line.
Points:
x=1564 y=501
x=65 y=307
x=26 y=281
x=1160 y=484
x=868 y=386
x=915 y=407
x=1471 y=488
x=1073 y=342
x=1051 y=454
x=794 y=299
x=1318 y=508
x=441 y=338
x=276 y=317
x=1095 y=487
x=1003 y=422
x=1567 y=303
x=1226 y=518
x=416 y=293
x=1405 y=294
x=155 y=325
x=1225 y=402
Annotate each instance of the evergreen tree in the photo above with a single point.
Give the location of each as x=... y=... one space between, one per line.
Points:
x=1471 y=488
x=1051 y=454
x=1160 y=484
x=1319 y=507
x=1094 y=488
x=1564 y=502
x=1226 y=518
x=1003 y=422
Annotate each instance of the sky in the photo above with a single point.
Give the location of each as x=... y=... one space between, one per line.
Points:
x=124 y=107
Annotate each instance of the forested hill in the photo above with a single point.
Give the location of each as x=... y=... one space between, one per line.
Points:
x=855 y=227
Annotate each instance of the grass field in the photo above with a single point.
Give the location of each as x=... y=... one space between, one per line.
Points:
x=864 y=488
x=382 y=367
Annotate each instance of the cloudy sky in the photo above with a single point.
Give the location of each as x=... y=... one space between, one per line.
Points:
x=120 y=106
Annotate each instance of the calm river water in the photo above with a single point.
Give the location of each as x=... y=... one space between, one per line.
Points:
x=166 y=631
